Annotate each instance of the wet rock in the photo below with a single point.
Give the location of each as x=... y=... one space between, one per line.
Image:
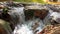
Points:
x=41 y=13
x=29 y=14
x=35 y=11
x=55 y=17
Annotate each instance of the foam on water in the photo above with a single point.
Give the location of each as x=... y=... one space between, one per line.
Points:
x=26 y=27
x=22 y=30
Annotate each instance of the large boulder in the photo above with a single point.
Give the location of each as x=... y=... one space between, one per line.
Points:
x=5 y=27
x=37 y=13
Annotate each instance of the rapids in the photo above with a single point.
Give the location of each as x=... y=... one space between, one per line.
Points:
x=25 y=27
x=33 y=26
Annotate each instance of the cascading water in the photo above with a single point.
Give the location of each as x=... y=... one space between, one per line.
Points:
x=17 y=14
x=26 y=27
x=23 y=29
x=33 y=26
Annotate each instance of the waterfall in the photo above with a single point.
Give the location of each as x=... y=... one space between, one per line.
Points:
x=22 y=26
x=17 y=14
x=26 y=27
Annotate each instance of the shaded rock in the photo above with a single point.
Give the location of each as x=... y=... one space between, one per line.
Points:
x=5 y=27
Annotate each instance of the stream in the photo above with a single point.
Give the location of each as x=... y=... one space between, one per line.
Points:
x=33 y=26
x=26 y=27
x=33 y=22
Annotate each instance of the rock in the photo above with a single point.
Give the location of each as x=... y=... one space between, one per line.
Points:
x=5 y=27
x=50 y=29
x=1 y=6
x=37 y=12
x=55 y=17
x=41 y=13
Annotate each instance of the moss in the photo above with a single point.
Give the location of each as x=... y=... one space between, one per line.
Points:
x=28 y=1
x=5 y=10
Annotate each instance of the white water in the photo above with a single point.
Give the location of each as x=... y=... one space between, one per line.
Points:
x=22 y=27
x=25 y=27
